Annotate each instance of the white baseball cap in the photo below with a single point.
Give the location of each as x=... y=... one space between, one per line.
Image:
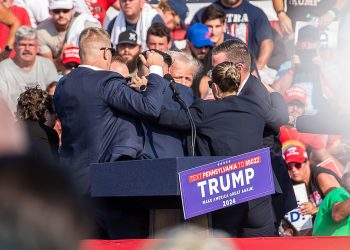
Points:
x=60 y=4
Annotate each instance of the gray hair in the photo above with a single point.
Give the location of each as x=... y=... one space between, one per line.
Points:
x=26 y=32
x=186 y=59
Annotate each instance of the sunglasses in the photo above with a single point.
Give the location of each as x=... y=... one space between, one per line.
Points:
x=296 y=165
x=113 y=50
x=58 y=11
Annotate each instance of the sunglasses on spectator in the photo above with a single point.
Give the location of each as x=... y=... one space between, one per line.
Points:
x=58 y=11
x=296 y=165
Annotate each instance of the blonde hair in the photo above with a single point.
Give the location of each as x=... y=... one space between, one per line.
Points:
x=227 y=76
x=92 y=38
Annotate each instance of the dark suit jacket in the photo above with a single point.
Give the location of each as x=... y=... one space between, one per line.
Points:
x=286 y=202
x=231 y=126
x=92 y=106
x=254 y=87
x=165 y=143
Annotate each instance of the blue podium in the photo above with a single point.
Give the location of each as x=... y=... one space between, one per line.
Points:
x=152 y=184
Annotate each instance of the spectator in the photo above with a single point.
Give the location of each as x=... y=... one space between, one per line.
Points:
x=295 y=98
x=97 y=9
x=35 y=109
x=174 y=13
x=184 y=67
x=62 y=29
x=198 y=41
x=305 y=70
x=129 y=49
x=318 y=180
x=23 y=18
x=215 y=18
x=26 y=68
x=332 y=218
x=10 y=20
x=70 y=59
x=38 y=10
x=134 y=15
x=248 y=23
x=158 y=37
x=325 y=10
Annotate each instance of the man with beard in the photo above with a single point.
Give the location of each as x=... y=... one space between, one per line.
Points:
x=129 y=49
x=198 y=41
x=26 y=69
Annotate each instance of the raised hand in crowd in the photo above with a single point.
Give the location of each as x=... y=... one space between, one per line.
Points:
x=9 y=19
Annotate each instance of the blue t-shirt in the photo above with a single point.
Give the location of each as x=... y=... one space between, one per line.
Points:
x=247 y=22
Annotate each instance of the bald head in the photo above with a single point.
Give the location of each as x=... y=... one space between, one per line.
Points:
x=91 y=41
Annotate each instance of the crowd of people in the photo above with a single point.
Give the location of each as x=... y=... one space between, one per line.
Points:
x=80 y=88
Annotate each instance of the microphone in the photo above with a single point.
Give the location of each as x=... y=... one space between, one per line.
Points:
x=177 y=97
x=169 y=78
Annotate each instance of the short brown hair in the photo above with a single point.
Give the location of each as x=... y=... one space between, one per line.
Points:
x=213 y=12
x=227 y=76
x=236 y=51
x=159 y=29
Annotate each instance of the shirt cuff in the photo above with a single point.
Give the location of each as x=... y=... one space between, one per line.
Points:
x=155 y=69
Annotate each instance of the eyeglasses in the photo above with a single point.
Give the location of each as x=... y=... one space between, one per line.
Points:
x=296 y=165
x=113 y=51
x=58 y=11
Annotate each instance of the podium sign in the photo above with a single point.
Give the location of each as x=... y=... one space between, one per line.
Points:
x=226 y=182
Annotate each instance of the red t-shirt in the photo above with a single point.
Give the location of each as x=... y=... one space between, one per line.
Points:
x=290 y=136
x=23 y=17
x=99 y=8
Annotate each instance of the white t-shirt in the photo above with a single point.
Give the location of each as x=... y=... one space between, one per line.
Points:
x=14 y=80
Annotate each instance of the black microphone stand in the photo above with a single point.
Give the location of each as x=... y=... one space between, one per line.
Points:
x=177 y=97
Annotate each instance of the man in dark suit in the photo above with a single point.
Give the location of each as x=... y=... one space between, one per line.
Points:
x=161 y=142
x=93 y=105
x=237 y=52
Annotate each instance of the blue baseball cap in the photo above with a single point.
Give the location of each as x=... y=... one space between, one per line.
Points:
x=198 y=34
x=180 y=8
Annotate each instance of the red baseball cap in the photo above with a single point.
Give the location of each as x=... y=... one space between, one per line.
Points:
x=295 y=93
x=295 y=154
x=70 y=54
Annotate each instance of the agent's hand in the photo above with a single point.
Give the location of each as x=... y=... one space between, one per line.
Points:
x=138 y=82
x=308 y=208
x=153 y=58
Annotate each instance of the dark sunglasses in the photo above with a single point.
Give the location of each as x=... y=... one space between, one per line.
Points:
x=296 y=165
x=113 y=50
x=58 y=11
